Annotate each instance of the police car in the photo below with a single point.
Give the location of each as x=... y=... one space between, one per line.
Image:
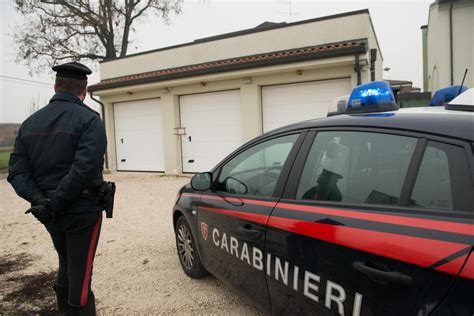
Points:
x=370 y=212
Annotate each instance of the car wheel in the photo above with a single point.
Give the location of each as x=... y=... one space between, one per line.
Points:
x=187 y=252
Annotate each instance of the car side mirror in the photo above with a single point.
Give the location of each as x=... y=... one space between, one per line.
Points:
x=235 y=186
x=201 y=181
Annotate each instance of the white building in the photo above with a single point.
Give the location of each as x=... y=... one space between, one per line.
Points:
x=184 y=108
x=448 y=44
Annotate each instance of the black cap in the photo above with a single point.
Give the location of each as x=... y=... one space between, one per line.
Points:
x=72 y=70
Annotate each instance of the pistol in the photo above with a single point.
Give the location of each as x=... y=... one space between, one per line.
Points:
x=106 y=198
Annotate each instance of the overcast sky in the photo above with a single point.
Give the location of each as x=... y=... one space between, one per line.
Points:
x=397 y=25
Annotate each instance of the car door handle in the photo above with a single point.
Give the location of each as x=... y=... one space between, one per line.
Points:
x=249 y=232
x=233 y=201
x=382 y=276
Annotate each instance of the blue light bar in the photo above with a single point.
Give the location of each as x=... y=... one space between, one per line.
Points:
x=445 y=95
x=376 y=96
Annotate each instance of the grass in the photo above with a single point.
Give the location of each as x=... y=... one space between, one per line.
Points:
x=4 y=158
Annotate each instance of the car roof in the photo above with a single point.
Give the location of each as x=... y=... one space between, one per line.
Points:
x=432 y=120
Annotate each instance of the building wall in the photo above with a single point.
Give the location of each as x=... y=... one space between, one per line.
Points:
x=463 y=42
x=343 y=28
x=314 y=33
x=251 y=107
x=438 y=44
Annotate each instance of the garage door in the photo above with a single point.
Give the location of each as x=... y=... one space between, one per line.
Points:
x=290 y=103
x=213 y=128
x=139 y=135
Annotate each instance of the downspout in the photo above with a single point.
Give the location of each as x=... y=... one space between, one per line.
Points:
x=451 y=41
x=357 y=69
x=102 y=110
x=373 y=58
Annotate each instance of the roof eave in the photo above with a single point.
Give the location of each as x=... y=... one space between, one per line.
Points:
x=272 y=62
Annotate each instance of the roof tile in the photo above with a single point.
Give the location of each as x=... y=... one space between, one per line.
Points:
x=245 y=60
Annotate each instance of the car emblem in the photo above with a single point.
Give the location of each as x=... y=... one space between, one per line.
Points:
x=204 y=230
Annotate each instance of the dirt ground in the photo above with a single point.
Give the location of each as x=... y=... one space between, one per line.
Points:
x=136 y=270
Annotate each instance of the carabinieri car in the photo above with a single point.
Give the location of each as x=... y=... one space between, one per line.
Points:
x=366 y=213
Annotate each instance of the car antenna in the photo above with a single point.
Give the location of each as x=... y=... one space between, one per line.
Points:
x=462 y=82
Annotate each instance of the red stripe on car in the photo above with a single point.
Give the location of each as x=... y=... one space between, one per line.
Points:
x=239 y=200
x=468 y=270
x=453 y=266
x=457 y=228
x=415 y=250
x=257 y=218
x=451 y=227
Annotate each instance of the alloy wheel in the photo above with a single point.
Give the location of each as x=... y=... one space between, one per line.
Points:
x=185 y=247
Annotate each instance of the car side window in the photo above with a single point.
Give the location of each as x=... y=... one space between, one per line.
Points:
x=442 y=168
x=256 y=170
x=356 y=167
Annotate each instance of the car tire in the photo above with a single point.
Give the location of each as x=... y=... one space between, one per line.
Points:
x=187 y=250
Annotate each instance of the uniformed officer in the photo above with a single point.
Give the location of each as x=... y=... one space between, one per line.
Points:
x=57 y=166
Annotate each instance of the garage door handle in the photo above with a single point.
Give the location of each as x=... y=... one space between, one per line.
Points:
x=189 y=137
x=249 y=232
x=121 y=140
x=382 y=276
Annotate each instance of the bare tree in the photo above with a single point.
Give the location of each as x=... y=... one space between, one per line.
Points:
x=60 y=30
x=34 y=105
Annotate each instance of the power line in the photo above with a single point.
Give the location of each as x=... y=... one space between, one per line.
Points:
x=26 y=80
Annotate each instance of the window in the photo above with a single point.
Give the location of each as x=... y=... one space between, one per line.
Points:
x=356 y=167
x=443 y=167
x=256 y=170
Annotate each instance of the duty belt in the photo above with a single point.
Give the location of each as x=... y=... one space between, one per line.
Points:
x=91 y=194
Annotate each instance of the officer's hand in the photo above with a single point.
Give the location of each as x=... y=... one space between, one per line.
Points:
x=41 y=201
x=42 y=213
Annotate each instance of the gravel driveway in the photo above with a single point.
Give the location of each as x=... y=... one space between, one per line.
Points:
x=136 y=269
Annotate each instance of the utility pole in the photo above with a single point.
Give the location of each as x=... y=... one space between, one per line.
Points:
x=290 y=9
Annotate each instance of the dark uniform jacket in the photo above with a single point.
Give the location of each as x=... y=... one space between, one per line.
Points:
x=60 y=147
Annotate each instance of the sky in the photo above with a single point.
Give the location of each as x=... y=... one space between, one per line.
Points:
x=397 y=25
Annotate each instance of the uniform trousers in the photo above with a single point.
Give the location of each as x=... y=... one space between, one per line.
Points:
x=75 y=238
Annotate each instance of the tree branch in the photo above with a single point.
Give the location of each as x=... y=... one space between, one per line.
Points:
x=81 y=29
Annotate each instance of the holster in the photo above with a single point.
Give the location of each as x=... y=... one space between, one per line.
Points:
x=104 y=195
x=106 y=198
